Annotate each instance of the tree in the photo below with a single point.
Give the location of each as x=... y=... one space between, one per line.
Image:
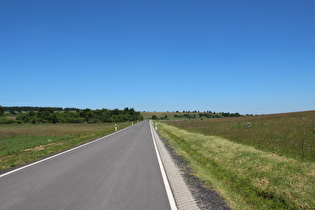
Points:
x=235 y=115
x=12 y=112
x=1 y=111
x=154 y=117
x=86 y=114
x=115 y=112
x=53 y=118
x=32 y=113
x=43 y=115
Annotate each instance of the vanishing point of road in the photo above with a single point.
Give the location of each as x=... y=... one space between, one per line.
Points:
x=119 y=171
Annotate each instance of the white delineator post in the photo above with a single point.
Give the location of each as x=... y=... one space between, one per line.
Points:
x=156 y=126
x=115 y=127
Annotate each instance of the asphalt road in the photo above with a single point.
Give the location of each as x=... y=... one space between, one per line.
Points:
x=118 y=172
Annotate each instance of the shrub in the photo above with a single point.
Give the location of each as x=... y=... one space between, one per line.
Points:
x=4 y=120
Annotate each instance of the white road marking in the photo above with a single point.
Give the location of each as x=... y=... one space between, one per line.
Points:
x=166 y=183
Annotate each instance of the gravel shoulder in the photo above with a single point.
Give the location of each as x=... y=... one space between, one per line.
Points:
x=205 y=198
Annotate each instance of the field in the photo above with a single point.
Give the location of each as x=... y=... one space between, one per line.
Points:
x=290 y=134
x=268 y=165
x=20 y=144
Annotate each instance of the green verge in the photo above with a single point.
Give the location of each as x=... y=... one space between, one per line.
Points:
x=245 y=177
x=21 y=144
x=289 y=134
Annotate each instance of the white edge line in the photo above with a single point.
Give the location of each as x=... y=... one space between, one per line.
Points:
x=164 y=176
x=64 y=152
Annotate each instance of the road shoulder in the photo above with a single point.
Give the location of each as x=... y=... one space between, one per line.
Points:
x=204 y=198
x=181 y=192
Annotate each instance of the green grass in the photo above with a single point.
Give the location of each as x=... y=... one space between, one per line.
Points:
x=291 y=134
x=20 y=144
x=247 y=178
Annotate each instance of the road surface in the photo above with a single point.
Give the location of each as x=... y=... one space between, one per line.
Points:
x=117 y=172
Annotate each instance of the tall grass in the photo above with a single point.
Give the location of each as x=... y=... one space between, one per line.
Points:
x=245 y=177
x=290 y=134
x=20 y=144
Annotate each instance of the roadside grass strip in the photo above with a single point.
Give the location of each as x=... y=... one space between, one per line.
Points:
x=245 y=177
x=21 y=144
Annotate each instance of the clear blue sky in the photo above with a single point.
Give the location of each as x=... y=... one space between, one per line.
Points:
x=232 y=56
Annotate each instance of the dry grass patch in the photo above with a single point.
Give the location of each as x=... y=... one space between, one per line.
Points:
x=41 y=147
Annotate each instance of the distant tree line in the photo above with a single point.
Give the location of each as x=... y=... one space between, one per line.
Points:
x=20 y=109
x=154 y=117
x=48 y=115
x=188 y=116
x=210 y=114
x=221 y=114
x=207 y=115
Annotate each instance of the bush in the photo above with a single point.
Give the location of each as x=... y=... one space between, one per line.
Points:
x=154 y=117
x=4 y=120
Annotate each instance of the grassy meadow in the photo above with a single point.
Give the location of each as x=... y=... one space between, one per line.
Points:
x=20 y=144
x=289 y=134
x=263 y=166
